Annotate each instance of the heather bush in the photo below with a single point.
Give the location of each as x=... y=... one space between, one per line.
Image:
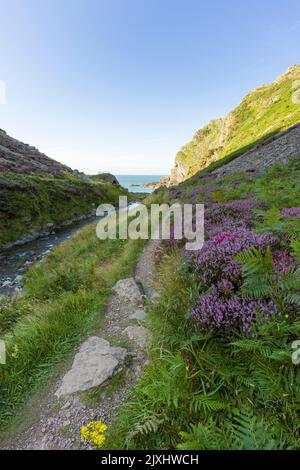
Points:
x=283 y=262
x=197 y=193
x=277 y=277
x=216 y=261
x=223 y=309
x=225 y=380
x=176 y=193
x=239 y=209
x=291 y=212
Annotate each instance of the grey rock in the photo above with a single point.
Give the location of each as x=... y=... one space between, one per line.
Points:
x=66 y=405
x=128 y=289
x=151 y=293
x=6 y=283
x=93 y=365
x=139 y=335
x=281 y=147
x=139 y=315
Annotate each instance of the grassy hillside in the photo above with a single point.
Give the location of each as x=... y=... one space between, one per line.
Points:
x=29 y=202
x=221 y=374
x=262 y=113
x=36 y=190
x=64 y=298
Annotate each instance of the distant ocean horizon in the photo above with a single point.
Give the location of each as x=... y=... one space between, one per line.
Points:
x=128 y=180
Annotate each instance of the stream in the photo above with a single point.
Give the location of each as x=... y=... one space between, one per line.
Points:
x=15 y=261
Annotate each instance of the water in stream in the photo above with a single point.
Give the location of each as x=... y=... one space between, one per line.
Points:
x=15 y=261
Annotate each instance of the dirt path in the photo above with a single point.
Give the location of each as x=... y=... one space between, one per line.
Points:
x=56 y=422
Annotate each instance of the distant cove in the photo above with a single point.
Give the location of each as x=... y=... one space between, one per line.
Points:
x=128 y=180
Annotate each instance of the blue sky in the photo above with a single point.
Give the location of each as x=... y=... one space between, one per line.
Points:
x=121 y=85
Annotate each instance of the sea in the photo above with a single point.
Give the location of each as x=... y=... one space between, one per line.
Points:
x=128 y=180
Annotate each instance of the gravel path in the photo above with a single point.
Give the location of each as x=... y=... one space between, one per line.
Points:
x=56 y=422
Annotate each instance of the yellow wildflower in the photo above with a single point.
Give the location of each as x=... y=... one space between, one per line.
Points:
x=94 y=432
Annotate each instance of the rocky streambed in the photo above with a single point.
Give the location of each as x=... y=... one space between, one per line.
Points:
x=15 y=261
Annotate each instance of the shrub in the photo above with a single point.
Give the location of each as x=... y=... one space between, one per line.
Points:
x=222 y=309
x=216 y=259
x=291 y=212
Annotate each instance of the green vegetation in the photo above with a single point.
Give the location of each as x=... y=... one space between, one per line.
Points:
x=223 y=380
x=107 y=177
x=261 y=114
x=224 y=389
x=93 y=397
x=64 y=299
x=32 y=202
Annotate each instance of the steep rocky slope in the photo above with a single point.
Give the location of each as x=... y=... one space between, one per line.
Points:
x=262 y=114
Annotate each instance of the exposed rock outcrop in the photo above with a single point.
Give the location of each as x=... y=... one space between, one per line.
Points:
x=265 y=112
x=275 y=150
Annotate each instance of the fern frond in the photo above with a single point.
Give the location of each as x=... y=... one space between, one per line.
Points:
x=250 y=433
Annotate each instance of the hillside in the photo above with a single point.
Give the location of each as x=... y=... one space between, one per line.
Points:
x=221 y=371
x=38 y=194
x=225 y=323
x=264 y=113
x=17 y=157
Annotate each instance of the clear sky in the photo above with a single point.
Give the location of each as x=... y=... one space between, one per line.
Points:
x=121 y=85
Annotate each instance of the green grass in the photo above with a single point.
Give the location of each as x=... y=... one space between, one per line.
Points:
x=64 y=299
x=206 y=391
x=202 y=392
x=93 y=398
x=261 y=114
x=31 y=202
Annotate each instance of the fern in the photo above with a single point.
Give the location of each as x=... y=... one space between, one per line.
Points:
x=260 y=280
x=204 y=437
x=206 y=404
x=150 y=425
x=258 y=271
x=295 y=249
x=250 y=433
x=252 y=345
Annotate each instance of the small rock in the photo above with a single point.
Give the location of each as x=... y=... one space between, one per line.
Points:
x=151 y=292
x=128 y=289
x=139 y=315
x=139 y=335
x=66 y=405
x=6 y=283
x=96 y=362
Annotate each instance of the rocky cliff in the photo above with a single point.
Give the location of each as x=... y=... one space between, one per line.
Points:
x=263 y=113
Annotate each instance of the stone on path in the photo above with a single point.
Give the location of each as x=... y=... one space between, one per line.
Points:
x=128 y=289
x=151 y=293
x=139 y=315
x=95 y=362
x=139 y=335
